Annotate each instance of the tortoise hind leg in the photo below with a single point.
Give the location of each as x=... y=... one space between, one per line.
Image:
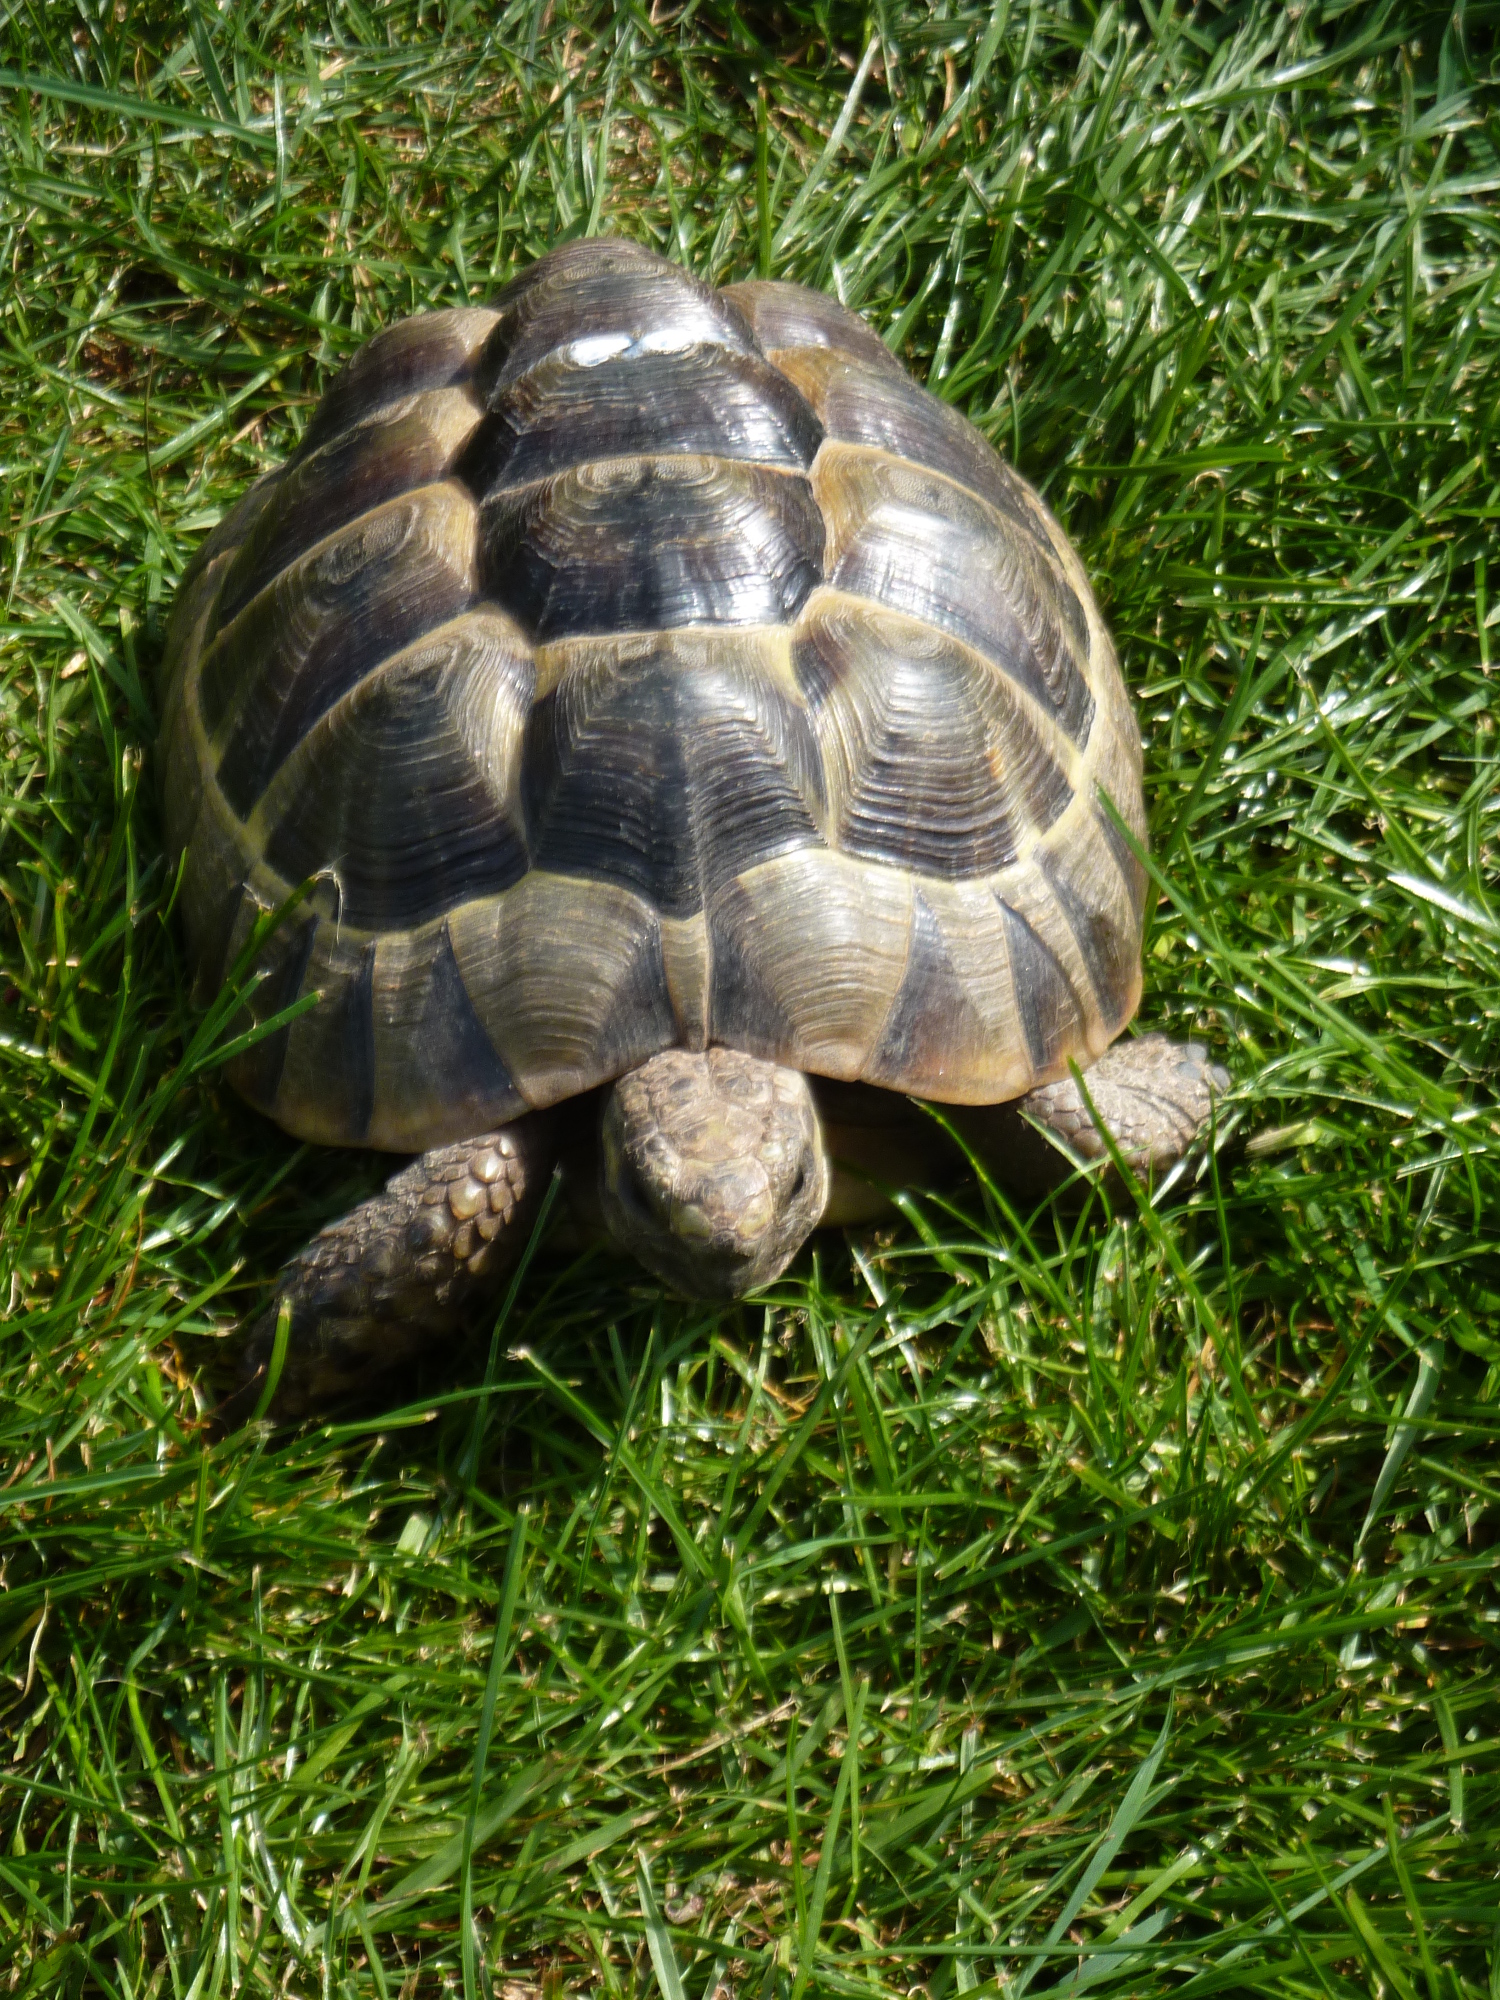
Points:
x=378 y=1287
x=1152 y=1093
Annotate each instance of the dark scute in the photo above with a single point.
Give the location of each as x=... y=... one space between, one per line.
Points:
x=365 y=613
x=926 y=549
x=1050 y=1014
x=640 y=545
x=667 y=780
x=586 y=254
x=393 y=805
x=641 y=1020
x=860 y=404
x=702 y=399
x=283 y=959
x=197 y=609
x=241 y=524
x=601 y=290
x=1109 y=954
x=1132 y=872
x=785 y=315
x=931 y=1014
x=744 y=1011
x=449 y=1059
x=431 y=351
x=210 y=938
x=245 y=647
x=339 y=1034
x=920 y=791
x=324 y=490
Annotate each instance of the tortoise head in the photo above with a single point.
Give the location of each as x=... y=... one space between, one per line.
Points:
x=712 y=1169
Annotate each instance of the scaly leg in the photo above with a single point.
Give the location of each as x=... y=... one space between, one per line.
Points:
x=379 y=1286
x=1152 y=1093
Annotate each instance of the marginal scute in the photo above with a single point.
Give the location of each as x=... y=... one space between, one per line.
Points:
x=1052 y=1018
x=628 y=665
x=933 y=1019
x=1116 y=766
x=196 y=614
x=438 y=1076
x=283 y=962
x=327 y=1087
x=954 y=1031
x=216 y=877
x=1132 y=873
x=687 y=967
x=809 y=951
x=566 y=977
x=793 y=317
x=1096 y=902
x=180 y=742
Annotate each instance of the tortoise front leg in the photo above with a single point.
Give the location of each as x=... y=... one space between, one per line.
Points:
x=374 y=1289
x=1152 y=1093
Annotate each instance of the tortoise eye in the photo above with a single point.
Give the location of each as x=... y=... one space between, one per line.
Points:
x=631 y=1192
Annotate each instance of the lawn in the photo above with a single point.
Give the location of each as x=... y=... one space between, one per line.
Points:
x=1005 y=1603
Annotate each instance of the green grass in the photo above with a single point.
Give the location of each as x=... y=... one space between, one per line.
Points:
x=1010 y=1604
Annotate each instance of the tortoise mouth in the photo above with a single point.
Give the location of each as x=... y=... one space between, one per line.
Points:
x=712 y=1170
x=698 y=1272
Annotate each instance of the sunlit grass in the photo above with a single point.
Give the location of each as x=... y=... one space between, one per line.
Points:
x=1010 y=1604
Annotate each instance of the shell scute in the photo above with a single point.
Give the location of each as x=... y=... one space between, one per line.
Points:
x=935 y=1023
x=785 y=318
x=559 y=970
x=283 y=961
x=861 y=403
x=433 y=351
x=665 y=778
x=612 y=296
x=915 y=541
x=1098 y=899
x=329 y=1060
x=627 y=664
x=933 y=760
x=808 y=954
x=1052 y=1017
x=400 y=446
x=313 y=633
x=435 y=734
x=645 y=544
x=574 y=406
x=437 y=1072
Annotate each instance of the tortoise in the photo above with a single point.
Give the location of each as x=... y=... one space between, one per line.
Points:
x=689 y=742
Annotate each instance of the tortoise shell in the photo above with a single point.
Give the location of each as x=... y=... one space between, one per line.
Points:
x=631 y=664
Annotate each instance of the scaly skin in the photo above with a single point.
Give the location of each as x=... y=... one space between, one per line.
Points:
x=378 y=1286
x=1152 y=1093
x=713 y=1171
